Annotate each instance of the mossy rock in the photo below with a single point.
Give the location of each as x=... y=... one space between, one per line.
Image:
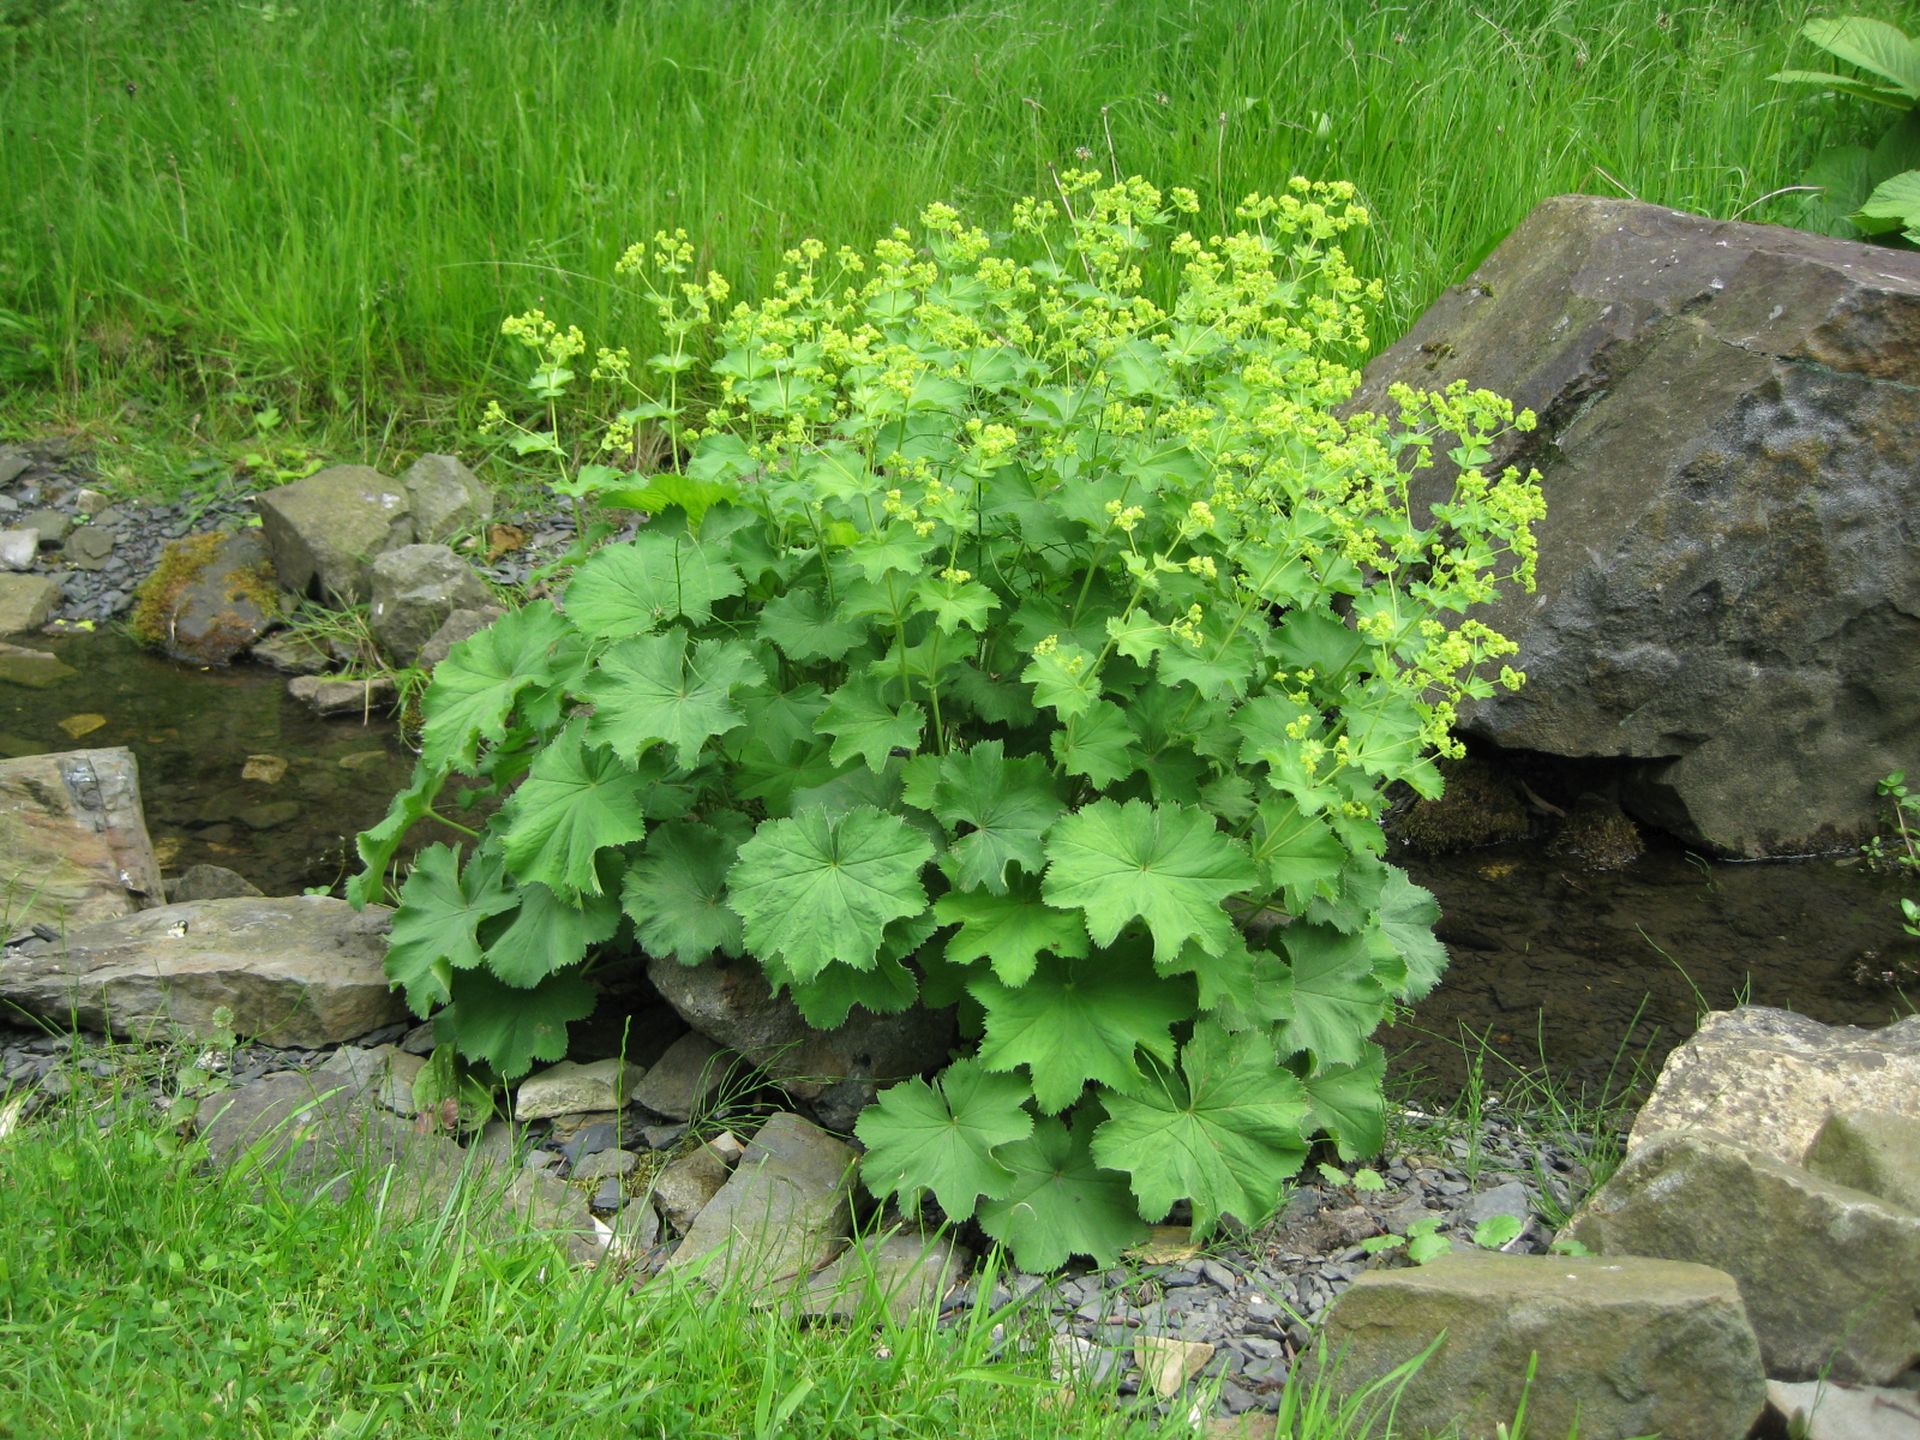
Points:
x=210 y=597
x=1480 y=807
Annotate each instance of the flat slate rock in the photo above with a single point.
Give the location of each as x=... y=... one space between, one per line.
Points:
x=785 y=1211
x=26 y=602
x=305 y=970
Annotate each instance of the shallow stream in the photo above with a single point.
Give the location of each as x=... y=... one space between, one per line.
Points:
x=1587 y=972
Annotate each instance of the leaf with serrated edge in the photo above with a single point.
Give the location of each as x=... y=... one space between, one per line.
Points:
x=650 y=581
x=1224 y=1131
x=1009 y=930
x=1080 y=1022
x=941 y=1137
x=474 y=688
x=509 y=1028
x=547 y=934
x=1407 y=917
x=801 y=624
x=1336 y=1001
x=1165 y=864
x=377 y=846
x=816 y=888
x=577 y=800
x=1098 y=744
x=1347 y=1104
x=1062 y=1203
x=436 y=927
x=676 y=893
x=1064 y=679
x=997 y=810
x=651 y=689
x=862 y=723
x=1297 y=851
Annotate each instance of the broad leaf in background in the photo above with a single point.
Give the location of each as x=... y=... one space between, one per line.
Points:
x=509 y=1028
x=997 y=810
x=676 y=893
x=548 y=933
x=1336 y=1001
x=1009 y=930
x=1346 y=1102
x=651 y=690
x=1077 y=1022
x=653 y=580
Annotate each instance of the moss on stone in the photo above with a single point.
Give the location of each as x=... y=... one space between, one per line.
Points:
x=158 y=597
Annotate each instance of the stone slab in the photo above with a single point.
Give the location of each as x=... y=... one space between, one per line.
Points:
x=74 y=848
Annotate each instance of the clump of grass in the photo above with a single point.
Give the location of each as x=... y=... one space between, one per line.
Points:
x=324 y=216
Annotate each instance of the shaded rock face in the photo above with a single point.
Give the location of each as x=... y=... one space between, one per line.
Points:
x=1625 y=1347
x=1771 y=1078
x=302 y=971
x=786 y=1209
x=26 y=602
x=73 y=841
x=415 y=589
x=1727 y=595
x=1829 y=1275
x=326 y=531
x=446 y=498
x=837 y=1072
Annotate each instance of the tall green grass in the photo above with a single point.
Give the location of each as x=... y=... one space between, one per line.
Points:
x=330 y=206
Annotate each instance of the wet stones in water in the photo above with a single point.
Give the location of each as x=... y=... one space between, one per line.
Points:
x=291 y=654
x=1479 y=807
x=329 y=697
x=1598 y=834
x=35 y=669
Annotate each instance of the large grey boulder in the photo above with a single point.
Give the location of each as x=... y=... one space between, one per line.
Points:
x=1771 y=1078
x=446 y=496
x=1625 y=1347
x=837 y=1072
x=73 y=841
x=306 y=970
x=1727 y=592
x=415 y=589
x=785 y=1211
x=326 y=531
x=1830 y=1276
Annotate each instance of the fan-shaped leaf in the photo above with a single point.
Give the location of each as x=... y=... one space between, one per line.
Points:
x=577 y=800
x=436 y=927
x=650 y=581
x=997 y=811
x=941 y=1137
x=651 y=690
x=474 y=688
x=676 y=893
x=1061 y=1203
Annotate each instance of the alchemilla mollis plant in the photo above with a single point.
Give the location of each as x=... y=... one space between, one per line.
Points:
x=1019 y=636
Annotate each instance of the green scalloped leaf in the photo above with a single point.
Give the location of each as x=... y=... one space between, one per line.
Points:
x=650 y=581
x=818 y=888
x=436 y=929
x=1336 y=1001
x=377 y=846
x=997 y=811
x=547 y=934
x=1223 y=1131
x=1081 y=1021
x=676 y=893
x=576 y=801
x=800 y=623
x=940 y=1138
x=509 y=1028
x=652 y=690
x=475 y=687
x=1165 y=864
x=1347 y=1104
x=1099 y=744
x=1407 y=917
x=1010 y=930
x=1297 y=852
x=863 y=724
x=1064 y=680
x=1061 y=1203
